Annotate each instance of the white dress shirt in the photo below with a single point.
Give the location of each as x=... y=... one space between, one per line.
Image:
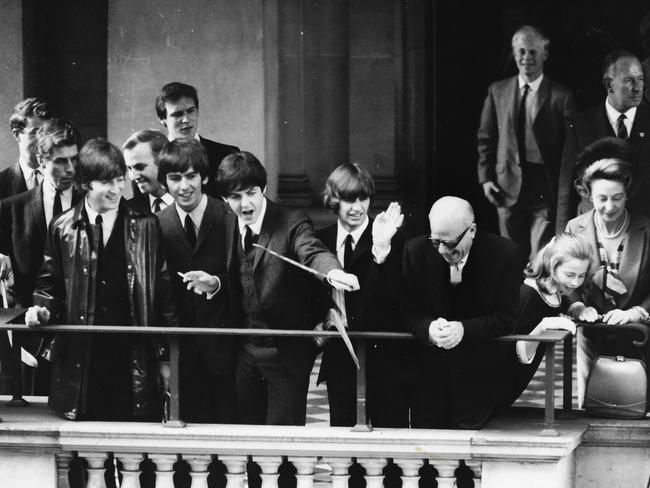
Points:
x=256 y=227
x=108 y=220
x=28 y=174
x=196 y=215
x=165 y=201
x=49 y=192
x=533 y=154
x=613 y=115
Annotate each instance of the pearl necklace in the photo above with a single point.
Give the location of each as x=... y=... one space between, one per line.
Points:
x=601 y=228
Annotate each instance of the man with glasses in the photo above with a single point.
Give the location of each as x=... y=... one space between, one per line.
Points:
x=461 y=290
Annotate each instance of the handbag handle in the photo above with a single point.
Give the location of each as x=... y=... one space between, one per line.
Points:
x=641 y=328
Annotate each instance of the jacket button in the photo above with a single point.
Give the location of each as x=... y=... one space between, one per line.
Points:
x=77 y=365
x=129 y=267
x=137 y=405
x=81 y=317
x=85 y=271
x=133 y=222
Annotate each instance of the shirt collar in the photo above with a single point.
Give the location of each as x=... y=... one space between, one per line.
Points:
x=613 y=114
x=256 y=228
x=27 y=171
x=341 y=233
x=108 y=217
x=165 y=197
x=197 y=214
x=49 y=190
x=534 y=85
x=461 y=264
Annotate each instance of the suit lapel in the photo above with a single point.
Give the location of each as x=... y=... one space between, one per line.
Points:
x=209 y=218
x=19 y=185
x=542 y=96
x=364 y=245
x=438 y=271
x=512 y=99
x=231 y=236
x=177 y=227
x=265 y=233
x=602 y=124
x=38 y=210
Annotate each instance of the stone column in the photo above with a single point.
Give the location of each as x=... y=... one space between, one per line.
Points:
x=130 y=469
x=235 y=470
x=339 y=474
x=269 y=466
x=95 y=469
x=304 y=471
x=410 y=471
x=62 y=468
x=199 y=469
x=164 y=469
x=446 y=473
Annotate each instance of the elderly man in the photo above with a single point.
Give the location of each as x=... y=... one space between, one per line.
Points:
x=622 y=116
x=177 y=108
x=461 y=289
x=141 y=151
x=520 y=143
x=25 y=121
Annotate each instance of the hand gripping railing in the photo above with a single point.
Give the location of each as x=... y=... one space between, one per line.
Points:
x=549 y=338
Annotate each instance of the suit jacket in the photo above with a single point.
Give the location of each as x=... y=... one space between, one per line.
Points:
x=497 y=135
x=12 y=181
x=487 y=299
x=588 y=127
x=283 y=291
x=216 y=152
x=375 y=307
x=22 y=237
x=209 y=255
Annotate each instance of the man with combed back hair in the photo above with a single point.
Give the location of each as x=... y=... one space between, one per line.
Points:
x=461 y=290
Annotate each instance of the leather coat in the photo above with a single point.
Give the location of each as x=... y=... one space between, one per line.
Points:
x=66 y=285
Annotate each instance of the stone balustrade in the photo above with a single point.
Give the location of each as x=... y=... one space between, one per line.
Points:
x=37 y=449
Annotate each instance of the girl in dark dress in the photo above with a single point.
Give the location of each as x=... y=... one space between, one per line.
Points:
x=558 y=270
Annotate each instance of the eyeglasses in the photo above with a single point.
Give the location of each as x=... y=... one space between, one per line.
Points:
x=449 y=244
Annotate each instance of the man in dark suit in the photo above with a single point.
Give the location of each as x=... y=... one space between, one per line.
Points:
x=621 y=115
x=272 y=374
x=24 y=219
x=140 y=155
x=371 y=249
x=193 y=228
x=25 y=120
x=520 y=141
x=177 y=108
x=461 y=289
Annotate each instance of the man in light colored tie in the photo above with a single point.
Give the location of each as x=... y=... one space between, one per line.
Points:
x=461 y=289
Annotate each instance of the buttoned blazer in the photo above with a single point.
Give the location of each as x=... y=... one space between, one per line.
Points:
x=208 y=255
x=588 y=127
x=283 y=291
x=498 y=152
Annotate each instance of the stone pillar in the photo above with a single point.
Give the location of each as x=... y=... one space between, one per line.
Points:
x=130 y=469
x=339 y=473
x=374 y=475
x=199 y=469
x=304 y=471
x=446 y=473
x=95 y=469
x=164 y=469
x=62 y=467
x=235 y=470
x=410 y=472
x=269 y=466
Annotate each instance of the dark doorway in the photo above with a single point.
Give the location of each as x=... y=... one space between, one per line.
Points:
x=65 y=59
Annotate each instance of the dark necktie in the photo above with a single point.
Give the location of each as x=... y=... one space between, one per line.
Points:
x=248 y=240
x=35 y=176
x=621 y=130
x=347 y=252
x=57 y=208
x=100 y=236
x=156 y=205
x=521 y=126
x=189 y=231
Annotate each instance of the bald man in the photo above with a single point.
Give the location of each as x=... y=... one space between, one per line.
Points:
x=461 y=289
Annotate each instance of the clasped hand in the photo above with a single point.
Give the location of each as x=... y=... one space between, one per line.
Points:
x=446 y=334
x=37 y=315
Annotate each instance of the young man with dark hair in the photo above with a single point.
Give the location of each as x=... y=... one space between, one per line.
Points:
x=24 y=219
x=193 y=229
x=268 y=293
x=140 y=155
x=103 y=264
x=177 y=108
x=25 y=121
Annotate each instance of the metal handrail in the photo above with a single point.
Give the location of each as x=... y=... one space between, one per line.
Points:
x=549 y=338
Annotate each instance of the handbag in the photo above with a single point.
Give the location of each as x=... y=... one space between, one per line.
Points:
x=617 y=388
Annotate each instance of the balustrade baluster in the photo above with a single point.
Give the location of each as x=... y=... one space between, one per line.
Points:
x=164 y=469
x=476 y=468
x=304 y=471
x=199 y=469
x=235 y=470
x=130 y=469
x=374 y=471
x=269 y=466
x=339 y=474
x=446 y=473
x=62 y=469
x=410 y=471
x=96 y=468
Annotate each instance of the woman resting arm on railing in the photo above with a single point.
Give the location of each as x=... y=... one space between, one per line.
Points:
x=558 y=270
